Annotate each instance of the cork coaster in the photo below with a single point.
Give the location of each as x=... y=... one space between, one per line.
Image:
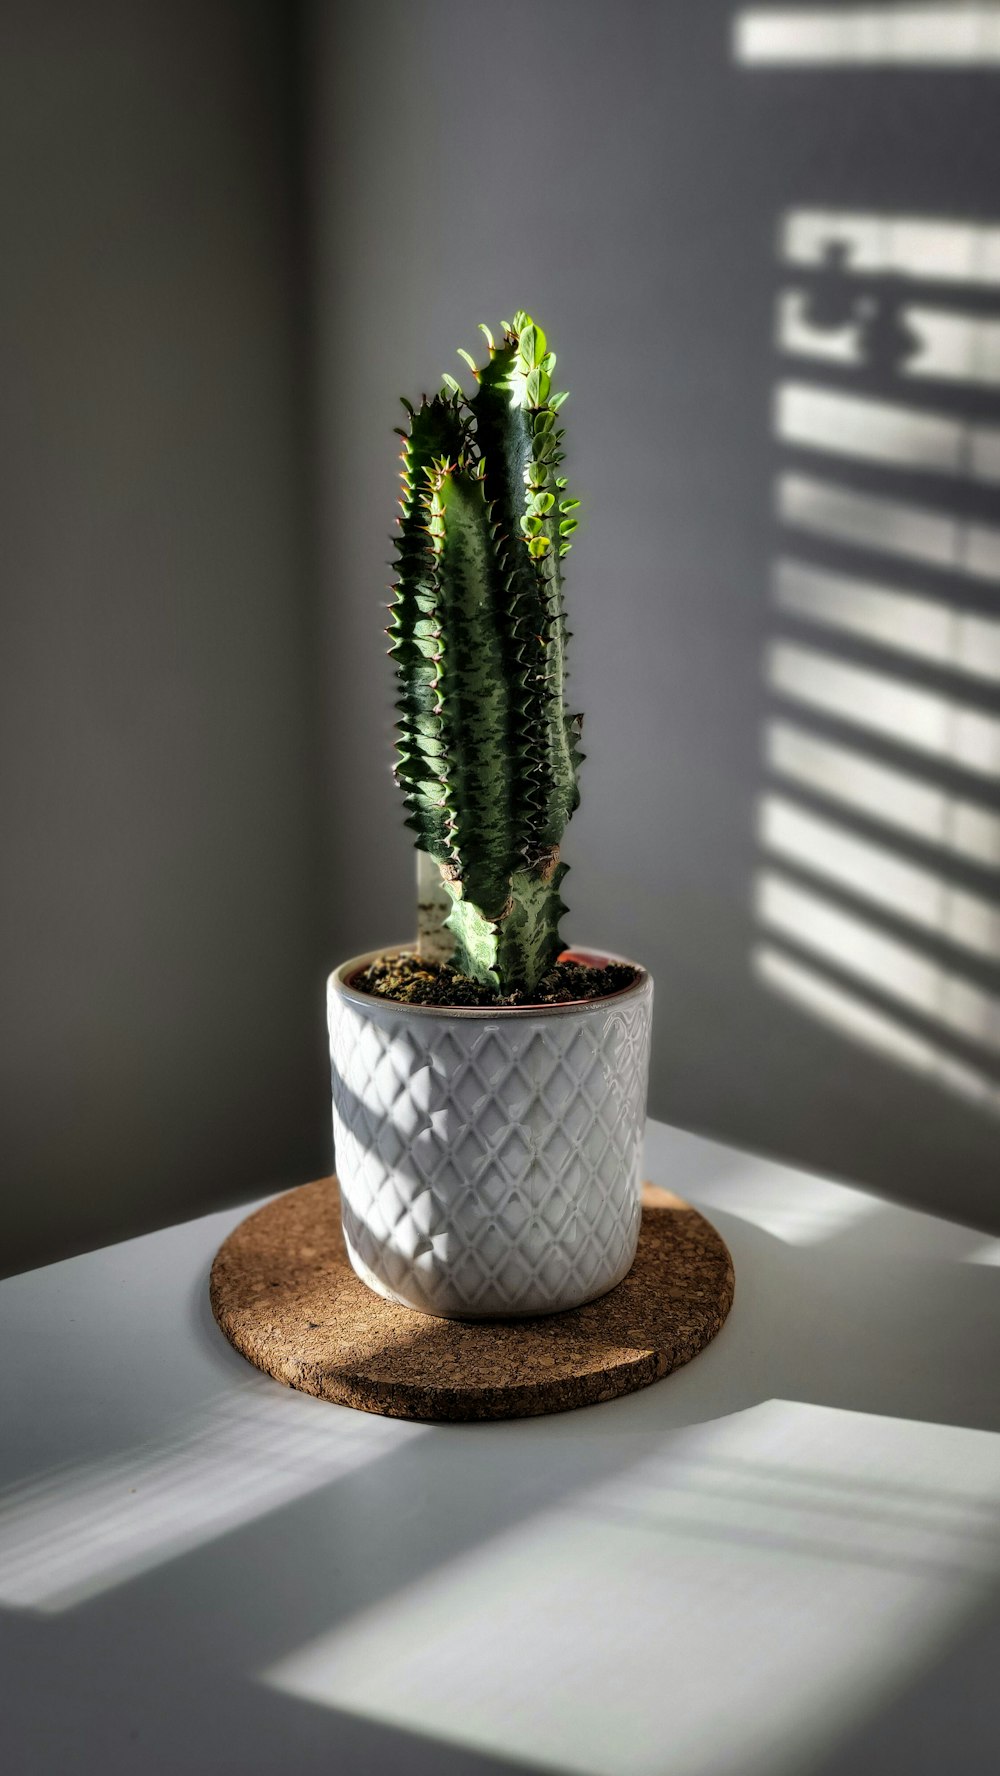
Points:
x=284 y=1293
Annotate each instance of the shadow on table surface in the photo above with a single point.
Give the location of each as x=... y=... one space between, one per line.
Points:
x=264 y=1521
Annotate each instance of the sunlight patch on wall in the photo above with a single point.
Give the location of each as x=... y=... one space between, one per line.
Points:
x=925 y=628
x=869 y=430
x=888 y=526
x=883 y=964
x=957 y=36
x=956 y=348
x=849 y=311
x=922 y=720
x=881 y=793
x=871 y=872
x=953 y=348
x=852 y=1017
x=933 y=249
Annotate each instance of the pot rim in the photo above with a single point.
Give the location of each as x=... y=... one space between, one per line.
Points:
x=339 y=982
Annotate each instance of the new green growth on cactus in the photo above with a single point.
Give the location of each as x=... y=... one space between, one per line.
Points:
x=486 y=754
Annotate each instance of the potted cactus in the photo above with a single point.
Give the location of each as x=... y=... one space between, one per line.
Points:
x=489 y=1085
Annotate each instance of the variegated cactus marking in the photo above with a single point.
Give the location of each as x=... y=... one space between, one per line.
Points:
x=486 y=754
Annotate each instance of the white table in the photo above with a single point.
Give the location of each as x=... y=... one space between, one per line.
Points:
x=784 y=1558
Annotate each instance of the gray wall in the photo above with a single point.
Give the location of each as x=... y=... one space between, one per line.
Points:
x=610 y=168
x=163 y=955
x=199 y=472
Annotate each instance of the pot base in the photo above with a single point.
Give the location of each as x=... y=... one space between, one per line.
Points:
x=284 y=1293
x=374 y=1282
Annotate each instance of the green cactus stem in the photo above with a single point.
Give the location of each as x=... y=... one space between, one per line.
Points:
x=486 y=754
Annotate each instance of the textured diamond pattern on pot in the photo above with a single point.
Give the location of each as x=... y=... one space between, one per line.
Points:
x=490 y=1167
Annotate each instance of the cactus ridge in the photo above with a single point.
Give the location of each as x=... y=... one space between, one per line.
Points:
x=487 y=756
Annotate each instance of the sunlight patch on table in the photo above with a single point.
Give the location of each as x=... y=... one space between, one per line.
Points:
x=79 y=1531
x=543 y=1645
x=986 y=1253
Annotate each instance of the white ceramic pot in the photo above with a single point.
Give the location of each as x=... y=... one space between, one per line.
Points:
x=488 y=1158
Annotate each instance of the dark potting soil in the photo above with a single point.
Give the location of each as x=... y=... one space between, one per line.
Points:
x=413 y=981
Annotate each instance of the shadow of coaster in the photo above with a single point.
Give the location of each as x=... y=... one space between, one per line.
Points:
x=284 y=1293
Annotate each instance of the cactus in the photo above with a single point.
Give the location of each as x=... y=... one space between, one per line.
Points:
x=486 y=754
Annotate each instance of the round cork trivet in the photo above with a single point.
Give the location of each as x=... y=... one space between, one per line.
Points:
x=285 y=1295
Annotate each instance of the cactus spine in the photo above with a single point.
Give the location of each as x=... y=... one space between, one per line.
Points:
x=486 y=753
